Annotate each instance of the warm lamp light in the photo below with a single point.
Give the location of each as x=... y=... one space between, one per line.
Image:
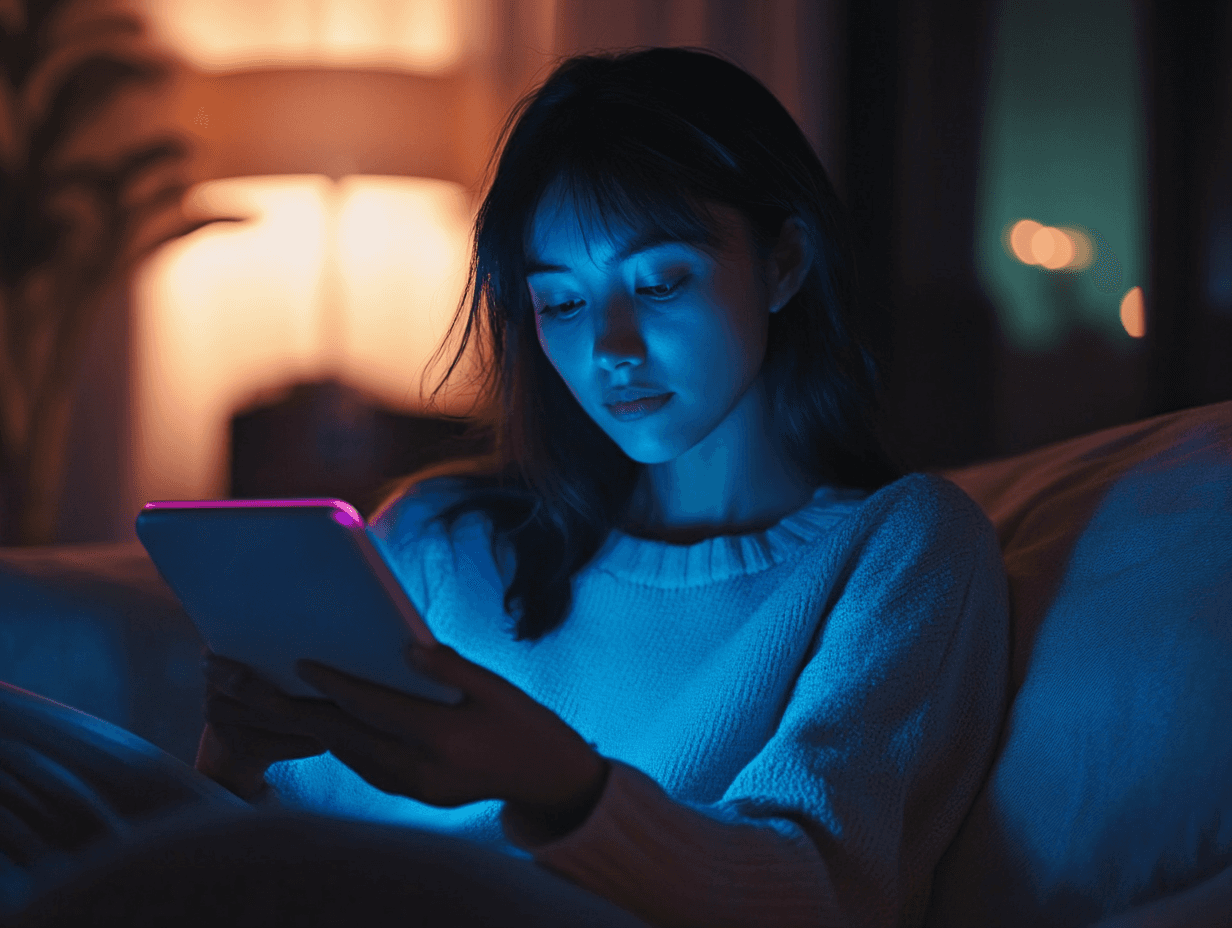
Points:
x=356 y=281
x=421 y=36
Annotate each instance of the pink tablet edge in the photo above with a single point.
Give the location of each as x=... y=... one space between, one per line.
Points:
x=254 y=503
x=352 y=521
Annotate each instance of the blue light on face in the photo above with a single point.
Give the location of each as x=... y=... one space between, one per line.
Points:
x=665 y=318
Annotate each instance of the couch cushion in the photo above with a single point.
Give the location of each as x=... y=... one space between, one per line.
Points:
x=1111 y=786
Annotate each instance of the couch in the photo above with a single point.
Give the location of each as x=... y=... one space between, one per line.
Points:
x=1110 y=798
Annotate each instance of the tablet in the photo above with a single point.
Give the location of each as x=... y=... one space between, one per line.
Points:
x=270 y=581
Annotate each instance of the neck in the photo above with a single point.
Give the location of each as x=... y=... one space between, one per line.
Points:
x=736 y=480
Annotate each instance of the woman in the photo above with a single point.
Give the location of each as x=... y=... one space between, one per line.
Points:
x=757 y=673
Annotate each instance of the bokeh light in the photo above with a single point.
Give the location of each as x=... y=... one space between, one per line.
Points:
x=1020 y=237
x=1133 y=313
x=1084 y=249
x=1052 y=248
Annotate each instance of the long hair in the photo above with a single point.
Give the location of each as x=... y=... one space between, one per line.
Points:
x=647 y=138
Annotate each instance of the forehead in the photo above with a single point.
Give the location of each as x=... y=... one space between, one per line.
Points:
x=566 y=226
x=561 y=223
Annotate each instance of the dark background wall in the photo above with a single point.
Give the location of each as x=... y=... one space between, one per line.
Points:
x=1190 y=68
x=959 y=391
x=915 y=78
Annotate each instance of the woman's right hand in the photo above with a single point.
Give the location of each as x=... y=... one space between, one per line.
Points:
x=244 y=731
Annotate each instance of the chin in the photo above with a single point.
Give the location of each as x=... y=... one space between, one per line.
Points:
x=650 y=451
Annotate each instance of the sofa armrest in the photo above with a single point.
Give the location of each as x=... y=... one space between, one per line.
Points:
x=96 y=628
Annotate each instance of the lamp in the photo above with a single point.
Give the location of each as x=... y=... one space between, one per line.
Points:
x=360 y=185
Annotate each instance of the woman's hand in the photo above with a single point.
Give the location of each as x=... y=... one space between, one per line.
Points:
x=246 y=728
x=498 y=743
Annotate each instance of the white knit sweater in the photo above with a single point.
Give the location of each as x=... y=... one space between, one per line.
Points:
x=798 y=719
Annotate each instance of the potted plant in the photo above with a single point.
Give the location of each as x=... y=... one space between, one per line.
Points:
x=72 y=227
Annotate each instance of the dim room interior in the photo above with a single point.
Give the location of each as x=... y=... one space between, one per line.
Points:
x=233 y=239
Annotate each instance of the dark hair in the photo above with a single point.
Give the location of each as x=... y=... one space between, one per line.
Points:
x=648 y=137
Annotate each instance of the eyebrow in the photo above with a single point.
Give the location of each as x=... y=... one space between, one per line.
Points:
x=651 y=238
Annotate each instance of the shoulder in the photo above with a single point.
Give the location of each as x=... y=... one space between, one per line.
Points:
x=926 y=494
x=409 y=515
x=923 y=509
x=436 y=485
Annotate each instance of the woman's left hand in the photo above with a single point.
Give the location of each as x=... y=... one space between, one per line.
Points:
x=498 y=743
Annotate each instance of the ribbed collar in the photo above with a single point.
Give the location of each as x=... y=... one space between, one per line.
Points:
x=671 y=566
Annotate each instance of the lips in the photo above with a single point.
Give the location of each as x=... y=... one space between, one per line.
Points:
x=640 y=407
x=631 y=394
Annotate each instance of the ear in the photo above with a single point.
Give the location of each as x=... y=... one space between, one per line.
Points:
x=789 y=263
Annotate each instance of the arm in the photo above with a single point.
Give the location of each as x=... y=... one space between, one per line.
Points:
x=673 y=864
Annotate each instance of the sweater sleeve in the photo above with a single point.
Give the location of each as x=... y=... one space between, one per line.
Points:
x=891 y=728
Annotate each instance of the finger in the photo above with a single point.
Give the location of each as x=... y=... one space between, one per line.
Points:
x=384 y=709
x=257 y=704
x=222 y=709
x=446 y=665
x=230 y=675
x=384 y=760
x=328 y=726
x=221 y=670
x=263 y=744
x=391 y=765
x=240 y=683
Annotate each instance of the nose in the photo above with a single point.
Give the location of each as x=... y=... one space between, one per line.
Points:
x=618 y=339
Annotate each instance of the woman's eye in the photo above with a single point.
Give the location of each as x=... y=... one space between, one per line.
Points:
x=660 y=291
x=557 y=309
x=656 y=292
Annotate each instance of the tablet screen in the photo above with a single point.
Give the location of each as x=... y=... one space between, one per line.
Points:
x=267 y=582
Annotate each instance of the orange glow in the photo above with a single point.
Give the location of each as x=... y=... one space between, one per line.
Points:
x=424 y=36
x=1020 y=239
x=1042 y=245
x=357 y=280
x=1133 y=313
x=1053 y=248
x=1084 y=250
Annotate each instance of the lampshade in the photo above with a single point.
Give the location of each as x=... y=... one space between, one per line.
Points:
x=354 y=135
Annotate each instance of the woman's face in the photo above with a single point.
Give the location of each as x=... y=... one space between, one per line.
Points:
x=671 y=319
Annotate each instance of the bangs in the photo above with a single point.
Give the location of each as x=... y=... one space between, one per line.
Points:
x=625 y=199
